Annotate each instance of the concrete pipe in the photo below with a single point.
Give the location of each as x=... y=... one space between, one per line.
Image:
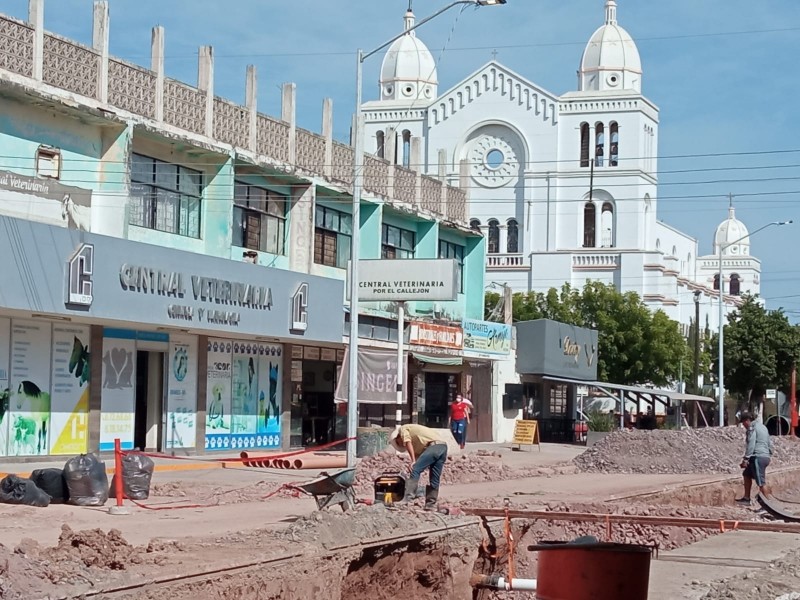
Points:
x=329 y=461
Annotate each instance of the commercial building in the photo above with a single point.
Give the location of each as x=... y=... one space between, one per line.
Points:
x=177 y=261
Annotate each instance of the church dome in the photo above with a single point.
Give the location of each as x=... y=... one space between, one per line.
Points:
x=729 y=231
x=611 y=60
x=409 y=70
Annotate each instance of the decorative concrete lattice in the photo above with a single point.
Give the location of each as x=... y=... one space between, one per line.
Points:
x=431 y=192
x=310 y=151
x=456 y=204
x=231 y=123
x=16 y=47
x=273 y=138
x=70 y=67
x=132 y=88
x=405 y=185
x=184 y=106
x=376 y=175
x=343 y=163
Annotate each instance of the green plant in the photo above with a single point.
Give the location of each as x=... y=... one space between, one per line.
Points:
x=599 y=421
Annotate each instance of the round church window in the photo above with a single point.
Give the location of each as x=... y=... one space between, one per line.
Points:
x=494 y=159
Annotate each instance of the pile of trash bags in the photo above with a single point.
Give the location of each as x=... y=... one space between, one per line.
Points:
x=82 y=482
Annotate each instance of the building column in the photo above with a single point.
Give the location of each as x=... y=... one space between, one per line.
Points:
x=36 y=20
x=100 y=43
x=598 y=224
x=503 y=243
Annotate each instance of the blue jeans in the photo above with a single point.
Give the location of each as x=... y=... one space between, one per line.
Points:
x=459 y=429
x=433 y=458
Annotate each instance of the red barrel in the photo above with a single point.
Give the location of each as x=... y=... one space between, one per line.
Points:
x=592 y=571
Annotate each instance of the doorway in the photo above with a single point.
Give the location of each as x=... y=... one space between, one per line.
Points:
x=148 y=430
x=440 y=391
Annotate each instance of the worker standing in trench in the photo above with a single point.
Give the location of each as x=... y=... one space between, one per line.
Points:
x=427 y=451
x=758 y=450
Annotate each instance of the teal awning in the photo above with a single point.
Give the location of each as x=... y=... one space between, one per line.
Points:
x=447 y=361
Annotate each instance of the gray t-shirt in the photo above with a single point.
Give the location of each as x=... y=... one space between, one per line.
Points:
x=757 y=440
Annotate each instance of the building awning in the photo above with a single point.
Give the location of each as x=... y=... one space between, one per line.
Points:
x=444 y=361
x=635 y=393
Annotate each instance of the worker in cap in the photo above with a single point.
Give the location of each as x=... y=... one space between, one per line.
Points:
x=757 y=454
x=427 y=451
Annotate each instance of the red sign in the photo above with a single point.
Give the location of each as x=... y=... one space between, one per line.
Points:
x=438 y=336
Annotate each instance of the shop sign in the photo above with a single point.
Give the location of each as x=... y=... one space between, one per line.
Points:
x=377 y=377
x=546 y=347
x=421 y=280
x=45 y=200
x=486 y=337
x=437 y=336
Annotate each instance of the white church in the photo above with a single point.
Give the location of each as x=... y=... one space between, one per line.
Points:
x=564 y=188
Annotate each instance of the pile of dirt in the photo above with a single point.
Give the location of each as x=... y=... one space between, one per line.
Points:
x=712 y=450
x=781 y=581
x=93 y=548
x=470 y=467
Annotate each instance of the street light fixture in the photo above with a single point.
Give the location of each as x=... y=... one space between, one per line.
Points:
x=358 y=184
x=721 y=381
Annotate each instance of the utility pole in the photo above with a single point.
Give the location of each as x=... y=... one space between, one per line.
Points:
x=696 y=369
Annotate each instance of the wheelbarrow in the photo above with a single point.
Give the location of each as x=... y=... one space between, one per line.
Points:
x=330 y=489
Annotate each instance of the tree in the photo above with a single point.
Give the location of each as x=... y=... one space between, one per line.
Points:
x=761 y=347
x=635 y=345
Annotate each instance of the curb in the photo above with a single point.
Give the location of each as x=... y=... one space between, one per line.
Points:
x=157 y=469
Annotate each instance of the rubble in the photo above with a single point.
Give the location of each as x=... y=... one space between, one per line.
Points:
x=780 y=581
x=708 y=450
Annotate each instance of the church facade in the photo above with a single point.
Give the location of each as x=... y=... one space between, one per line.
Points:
x=563 y=188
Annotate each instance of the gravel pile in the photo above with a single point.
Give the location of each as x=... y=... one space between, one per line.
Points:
x=779 y=582
x=712 y=450
x=471 y=467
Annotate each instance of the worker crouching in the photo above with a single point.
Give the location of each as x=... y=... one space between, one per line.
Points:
x=427 y=451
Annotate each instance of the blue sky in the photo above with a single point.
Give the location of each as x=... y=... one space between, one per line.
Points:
x=723 y=73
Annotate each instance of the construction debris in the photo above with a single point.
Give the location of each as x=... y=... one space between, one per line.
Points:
x=712 y=450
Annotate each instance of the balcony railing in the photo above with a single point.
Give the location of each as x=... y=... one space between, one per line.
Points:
x=595 y=261
x=506 y=261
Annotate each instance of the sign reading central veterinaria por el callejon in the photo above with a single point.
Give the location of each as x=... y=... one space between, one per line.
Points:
x=420 y=280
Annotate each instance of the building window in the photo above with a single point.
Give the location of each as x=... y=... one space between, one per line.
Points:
x=735 y=285
x=406 y=148
x=607 y=225
x=716 y=281
x=332 y=237
x=613 y=155
x=475 y=225
x=165 y=196
x=584 y=144
x=381 y=140
x=259 y=218
x=397 y=242
x=454 y=251
x=494 y=237
x=48 y=162
x=512 y=244
x=600 y=144
x=589 y=213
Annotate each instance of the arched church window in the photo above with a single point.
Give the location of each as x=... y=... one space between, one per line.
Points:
x=735 y=285
x=716 y=281
x=613 y=153
x=607 y=225
x=589 y=213
x=406 y=148
x=599 y=144
x=380 y=138
x=494 y=237
x=512 y=244
x=584 y=144
x=475 y=225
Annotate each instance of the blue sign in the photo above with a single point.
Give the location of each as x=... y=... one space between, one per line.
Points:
x=484 y=337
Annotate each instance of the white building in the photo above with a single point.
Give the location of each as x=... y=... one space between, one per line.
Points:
x=565 y=188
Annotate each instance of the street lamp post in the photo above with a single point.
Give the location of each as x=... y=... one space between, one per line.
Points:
x=358 y=184
x=721 y=359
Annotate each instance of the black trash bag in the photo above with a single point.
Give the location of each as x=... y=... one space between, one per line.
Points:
x=15 y=490
x=52 y=482
x=137 y=471
x=87 y=481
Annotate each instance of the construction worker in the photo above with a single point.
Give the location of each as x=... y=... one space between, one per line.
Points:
x=757 y=454
x=427 y=451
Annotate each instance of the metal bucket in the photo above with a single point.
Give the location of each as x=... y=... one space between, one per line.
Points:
x=592 y=571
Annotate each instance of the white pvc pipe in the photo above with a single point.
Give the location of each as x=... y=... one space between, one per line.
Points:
x=516 y=585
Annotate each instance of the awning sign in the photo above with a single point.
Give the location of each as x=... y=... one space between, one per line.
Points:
x=437 y=336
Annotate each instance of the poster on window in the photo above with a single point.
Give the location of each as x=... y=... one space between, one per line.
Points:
x=182 y=394
x=69 y=408
x=218 y=395
x=255 y=395
x=30 y=388
x=5 y=389
x=118 y=398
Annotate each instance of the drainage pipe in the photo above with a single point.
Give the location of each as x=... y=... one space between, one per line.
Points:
x=498 y=582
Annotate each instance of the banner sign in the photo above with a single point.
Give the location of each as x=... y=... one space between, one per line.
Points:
x=438 y=336
x=377 y=377
x=5 y=388
x=69 y=421
x=407 y=280
x=46 y=201
x=117 y=400
x=30 y=388
x=486 y=337
x=182 y=394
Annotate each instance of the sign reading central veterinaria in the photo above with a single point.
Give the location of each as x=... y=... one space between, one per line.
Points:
x=420 y=280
